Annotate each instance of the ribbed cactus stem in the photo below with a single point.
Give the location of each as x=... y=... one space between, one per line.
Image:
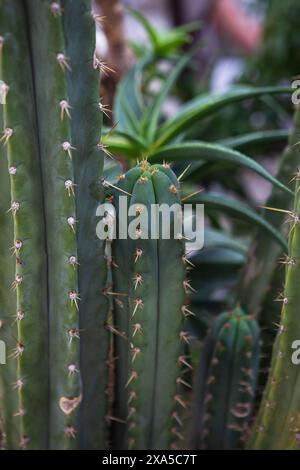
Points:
x=10 y=431
x=227 y=380
x=51 y=65
x=151 y=316
x=84 y=86
x=26 y=209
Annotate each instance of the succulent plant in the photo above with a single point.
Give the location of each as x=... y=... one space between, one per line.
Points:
x=226 y=382
x=150 y=285
x=97 y=332
x=53 y=320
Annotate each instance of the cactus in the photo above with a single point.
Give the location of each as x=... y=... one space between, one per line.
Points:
x=57 y=308
x=30 y=310
x=149 y=283
x=277 y=424
x=227 y=379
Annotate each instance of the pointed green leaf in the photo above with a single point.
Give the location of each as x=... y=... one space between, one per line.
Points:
x=211 y=152
x=206 y=105
x=239 y=210
x=256 y=138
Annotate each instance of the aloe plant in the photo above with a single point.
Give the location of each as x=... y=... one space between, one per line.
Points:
x=142 y=131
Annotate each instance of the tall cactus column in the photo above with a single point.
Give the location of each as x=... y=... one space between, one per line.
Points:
x=53 y=108
x=278 y=424
x=9 y=430
x=29 y=310
x=151 y=274
x=84 y=86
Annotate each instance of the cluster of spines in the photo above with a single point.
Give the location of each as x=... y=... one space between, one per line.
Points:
x=143 y=318
x=227 y=382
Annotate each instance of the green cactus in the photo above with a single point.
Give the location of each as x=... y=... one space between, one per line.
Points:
x=227 y=379
x=277 y=425
x=8 y=328
x=57 y=311
x=30 y=310
x=149 y=276
x=88 y=167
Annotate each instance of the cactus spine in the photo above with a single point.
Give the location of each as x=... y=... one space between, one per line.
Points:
x=226 y=382
x=150 y=316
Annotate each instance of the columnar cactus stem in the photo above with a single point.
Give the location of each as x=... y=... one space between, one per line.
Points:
x=8 y=328
x=51 y=65
x=83 y=81
x=226 y=383
x=56 y=311
x=151 y=317
x=26 y=209
x=277 y=425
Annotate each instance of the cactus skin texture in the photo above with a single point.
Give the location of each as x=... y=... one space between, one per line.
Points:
x=277 y=424
x=148 y=274
x=59 y=270
x=227 y=380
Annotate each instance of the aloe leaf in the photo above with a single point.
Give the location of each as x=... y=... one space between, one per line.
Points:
x=152 y=117
x=253 y=139
x=207 y=105
x=190 y=151
x=129 y=106
x=151 y=32
x=238 y=210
